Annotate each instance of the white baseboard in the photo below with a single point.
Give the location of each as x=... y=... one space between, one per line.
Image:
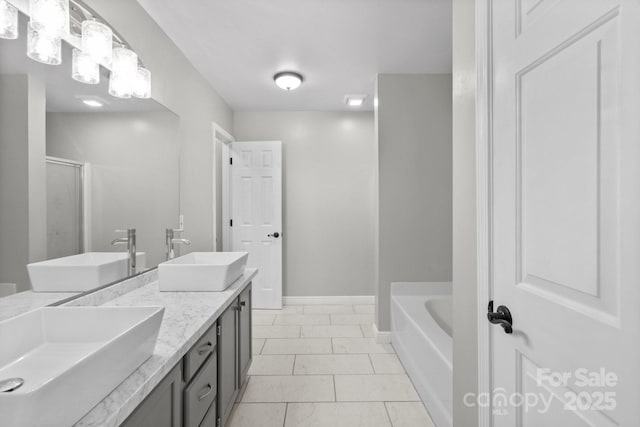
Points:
x=362 y=299
x=382 y=337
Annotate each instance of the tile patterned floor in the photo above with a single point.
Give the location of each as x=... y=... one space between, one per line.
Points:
x=319 y=366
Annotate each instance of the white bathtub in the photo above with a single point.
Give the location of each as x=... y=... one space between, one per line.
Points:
x=421 y=319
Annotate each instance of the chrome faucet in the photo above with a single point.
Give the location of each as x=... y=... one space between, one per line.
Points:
x=130 y=241
x=170 y=241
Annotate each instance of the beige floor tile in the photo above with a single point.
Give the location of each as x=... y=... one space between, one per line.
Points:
x=386 y=364
x=331 y=331
x=337 y=415
x=364 y=309
x=257 y=414
x=276 y=331
x=329 y=309
x=408 y=414
x=257 y=345
x=368 y=331
x=374 y=388
x=359 y=346
x=302 y=319
x=300 y=388
x=297 y=346
x=272 y=365
x=287 y=309
x=352 y=319
x=263 y=319
x=332 y=364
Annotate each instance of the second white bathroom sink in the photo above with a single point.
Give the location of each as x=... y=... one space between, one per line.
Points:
x=80 y=273
x=202 y=271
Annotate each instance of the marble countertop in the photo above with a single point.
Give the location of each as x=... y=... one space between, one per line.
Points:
x=23 y=302
x=187 y=316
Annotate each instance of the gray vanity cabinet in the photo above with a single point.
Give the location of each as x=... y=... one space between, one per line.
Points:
x=234 y=352
x=201 y=389
x=227 y=361
x=163 y=407
x=244 y=336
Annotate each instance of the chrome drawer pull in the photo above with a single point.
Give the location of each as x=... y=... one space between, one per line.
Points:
x=207 y=393
x=204 y=349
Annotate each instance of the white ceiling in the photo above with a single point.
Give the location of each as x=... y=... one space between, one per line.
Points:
x=338 y=45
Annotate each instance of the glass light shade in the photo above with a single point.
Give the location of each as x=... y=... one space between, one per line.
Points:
x=120 y=86
x=124 y=63
x=43 y=48
x=142 y=85
x=50 y=16
x=84 y=69
x=8 y=21
x=97 y=41
x=288 y=80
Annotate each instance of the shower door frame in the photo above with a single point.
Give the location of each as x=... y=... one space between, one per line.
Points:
x=85 y=235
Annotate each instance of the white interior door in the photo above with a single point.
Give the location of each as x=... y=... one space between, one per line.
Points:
x=566 y=217
x=256 y=215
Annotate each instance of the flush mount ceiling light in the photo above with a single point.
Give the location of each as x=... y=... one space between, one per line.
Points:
x=288 y=80
x=355 y=100
x=92 y=103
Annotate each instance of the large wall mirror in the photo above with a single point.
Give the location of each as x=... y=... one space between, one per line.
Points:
x=77 y=164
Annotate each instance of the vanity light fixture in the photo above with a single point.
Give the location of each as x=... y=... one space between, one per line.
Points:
x=355 y=100
x=84 y=69
x=51 y=21
x=43 y=48
x=8 y=21
x=50 y=17
x=288 y=80
x=97 y=41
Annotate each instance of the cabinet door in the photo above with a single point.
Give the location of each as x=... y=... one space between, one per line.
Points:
x=163 y=407
x=227 y=361
x=244 y=338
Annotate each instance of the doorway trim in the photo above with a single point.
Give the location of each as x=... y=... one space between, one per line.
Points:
x=220 y=134
x=484 y=214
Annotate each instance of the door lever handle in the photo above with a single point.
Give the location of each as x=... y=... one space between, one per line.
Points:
x=501 y=317
x=276 y=235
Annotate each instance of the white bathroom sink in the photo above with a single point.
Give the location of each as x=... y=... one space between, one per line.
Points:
x=70 y=358
x=80 y=273
x=202 y=271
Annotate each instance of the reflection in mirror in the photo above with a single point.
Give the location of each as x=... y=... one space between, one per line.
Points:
x=75 y=166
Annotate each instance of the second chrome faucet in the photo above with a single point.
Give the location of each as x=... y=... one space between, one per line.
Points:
x=171 y=240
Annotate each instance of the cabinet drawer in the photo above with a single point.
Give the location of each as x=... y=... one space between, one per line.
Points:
x=199 y=353
x=200 y=394
x=210 y=418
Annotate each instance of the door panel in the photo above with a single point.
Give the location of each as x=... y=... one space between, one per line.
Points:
x=564 y=157
x=256 y=210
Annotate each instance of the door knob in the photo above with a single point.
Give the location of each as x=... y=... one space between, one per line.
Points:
x=275 y=235
x=501 y=317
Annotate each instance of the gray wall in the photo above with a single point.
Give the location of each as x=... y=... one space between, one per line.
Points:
x=465 y=326
x=134 y=173
x=23 y=220
x=328 y=192
x=414 y=162
x=179 y=87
